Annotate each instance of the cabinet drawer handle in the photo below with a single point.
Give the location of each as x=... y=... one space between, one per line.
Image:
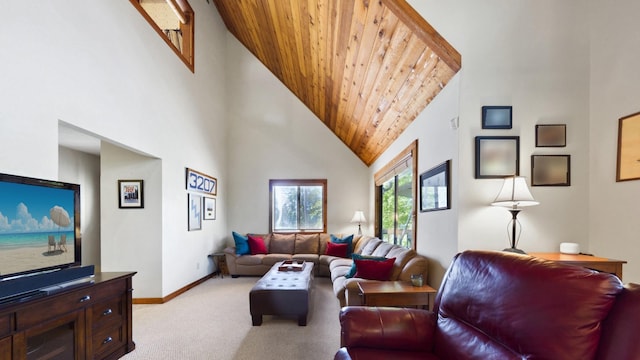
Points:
x=85 y=298
x=107 y=340
x=107 y=312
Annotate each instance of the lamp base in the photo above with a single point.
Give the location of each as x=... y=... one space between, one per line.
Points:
x=514 y=250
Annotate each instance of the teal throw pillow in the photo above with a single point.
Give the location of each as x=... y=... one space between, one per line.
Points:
x=345 y=240
x=353 y=270
x=242 y=244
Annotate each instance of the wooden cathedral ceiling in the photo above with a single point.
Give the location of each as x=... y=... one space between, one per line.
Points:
x=366 y=68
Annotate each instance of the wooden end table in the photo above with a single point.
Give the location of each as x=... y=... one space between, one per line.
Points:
x=592 y=262
x=395 y=293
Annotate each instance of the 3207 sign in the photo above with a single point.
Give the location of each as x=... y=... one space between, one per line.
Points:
x=199 y=182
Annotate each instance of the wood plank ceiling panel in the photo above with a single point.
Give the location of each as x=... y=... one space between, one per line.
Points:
x=365 y=68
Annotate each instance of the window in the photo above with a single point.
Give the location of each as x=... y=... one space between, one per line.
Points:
x=173 y=21
x=396 y=199
x=298 y=205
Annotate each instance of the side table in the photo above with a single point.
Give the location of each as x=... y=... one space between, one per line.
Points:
x=220 y=261
x=395 y=293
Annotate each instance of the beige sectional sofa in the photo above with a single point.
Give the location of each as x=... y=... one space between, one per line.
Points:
x=312 y=247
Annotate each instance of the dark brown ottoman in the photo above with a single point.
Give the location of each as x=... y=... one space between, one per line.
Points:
x=282 y=293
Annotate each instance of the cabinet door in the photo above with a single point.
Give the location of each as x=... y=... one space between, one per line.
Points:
x=5 y=348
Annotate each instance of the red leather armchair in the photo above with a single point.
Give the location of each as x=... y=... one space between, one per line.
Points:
x=497 y=305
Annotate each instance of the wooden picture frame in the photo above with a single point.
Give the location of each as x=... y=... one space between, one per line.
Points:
x=628 y=161
x=550 y=170
x=497 y=156
x=497 y=117
x=130 y=194
x=435 y=188
x=201 y=182
x=551 y=135
x=194 y=212
x=209 y=208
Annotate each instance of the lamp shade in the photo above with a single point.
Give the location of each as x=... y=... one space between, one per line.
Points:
x=514 y=193
x=358 y=217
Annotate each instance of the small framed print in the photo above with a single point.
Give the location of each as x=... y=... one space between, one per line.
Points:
x=550 y=170
x=130 y=194
x=497 y=156
x=209 y=208
x=434 y=188
x=551 y=135
x=195 y=212
x=496 y=117
x=628 y=164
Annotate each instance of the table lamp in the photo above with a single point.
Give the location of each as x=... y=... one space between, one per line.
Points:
x=513 y=195
x=358 y=217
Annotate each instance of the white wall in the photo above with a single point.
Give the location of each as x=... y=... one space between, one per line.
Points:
x=615 y=84
x=100 y=67
x=82 y=168
x=272 y=135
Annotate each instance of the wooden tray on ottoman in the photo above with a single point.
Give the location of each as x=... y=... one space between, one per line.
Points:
x=291 y=265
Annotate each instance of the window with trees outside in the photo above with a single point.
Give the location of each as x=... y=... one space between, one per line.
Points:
x=396 y=199
x=298 y=205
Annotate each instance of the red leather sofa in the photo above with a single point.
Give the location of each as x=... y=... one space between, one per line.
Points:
x=498 y=305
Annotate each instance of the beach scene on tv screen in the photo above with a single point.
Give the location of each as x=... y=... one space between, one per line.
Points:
x=36 y=227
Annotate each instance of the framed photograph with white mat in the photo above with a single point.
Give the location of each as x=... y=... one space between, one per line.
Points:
x=209 y=208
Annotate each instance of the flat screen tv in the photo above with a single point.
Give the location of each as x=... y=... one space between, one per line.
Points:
x=39 y=226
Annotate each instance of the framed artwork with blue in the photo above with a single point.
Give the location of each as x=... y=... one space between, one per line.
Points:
x=496 y=117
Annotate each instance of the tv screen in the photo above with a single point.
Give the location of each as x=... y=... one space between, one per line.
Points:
x=39 y=225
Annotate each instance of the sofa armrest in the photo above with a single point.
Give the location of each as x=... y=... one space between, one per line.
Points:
x=387 y=328
x=230 y=250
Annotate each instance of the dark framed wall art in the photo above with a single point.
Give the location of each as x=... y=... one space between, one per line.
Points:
x=628 y=162
x=209 y=208
x=550 y=170
x=552 y=135
x=130 y=194
x=435 y=193
x=497 y=156
x=497 y=117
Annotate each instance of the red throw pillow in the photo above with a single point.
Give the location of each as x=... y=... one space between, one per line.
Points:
x=374 y=270
x=335 y=249
x=256 y=245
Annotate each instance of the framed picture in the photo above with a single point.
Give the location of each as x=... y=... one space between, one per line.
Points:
x=434 y=188
x=550 y=170
x=497 y=156
x=209 y=207
x=628 y=165
x=551 y=135
x=202 y=183
x=195 y=212
x=130 y=194
x=496 y=117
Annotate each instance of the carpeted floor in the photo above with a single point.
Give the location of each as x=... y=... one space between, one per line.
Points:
x=212 y=321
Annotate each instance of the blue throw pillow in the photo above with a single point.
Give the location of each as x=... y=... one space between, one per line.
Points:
x=345 y=240
x=242 y=244
x=353 y=270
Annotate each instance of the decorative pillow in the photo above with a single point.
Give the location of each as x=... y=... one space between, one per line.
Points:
x=353 y=269
x=345 y=240
x=256 y=245
x=374 y=270
x=339 y=250
x=242 y=244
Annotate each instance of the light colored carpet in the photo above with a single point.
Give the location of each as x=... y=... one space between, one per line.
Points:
x=212 y=321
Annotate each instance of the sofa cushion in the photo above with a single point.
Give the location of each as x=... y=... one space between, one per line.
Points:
x=402 y=255
x=383 y=249
x=307 y=243
x=371 y=246
x=353 y=269
x=337 y=250
x=282 y=243
x=374 y=270
x=256 y=245
x=242 y=244
x=344 y=240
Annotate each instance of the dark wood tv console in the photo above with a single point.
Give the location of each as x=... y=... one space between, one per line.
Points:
x=88 y=321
